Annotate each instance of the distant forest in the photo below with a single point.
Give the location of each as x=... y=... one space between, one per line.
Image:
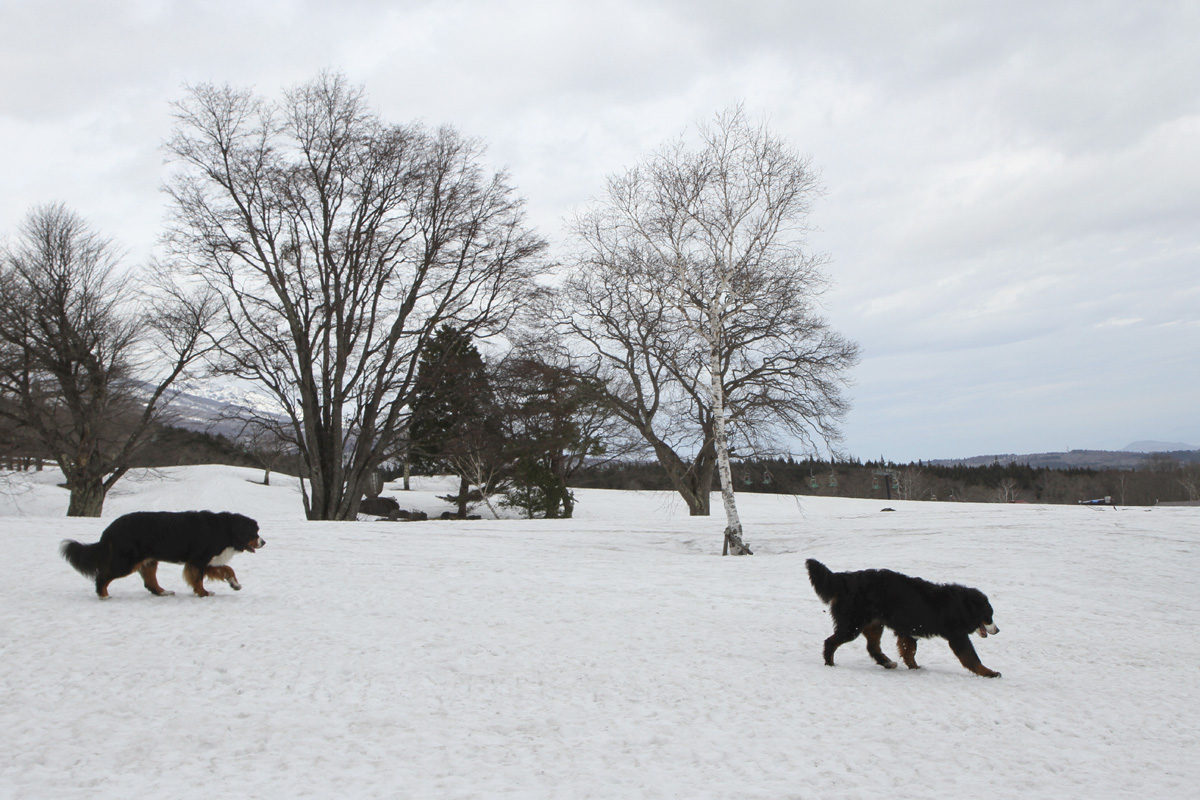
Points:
x=169 y=446
x=1161 y=477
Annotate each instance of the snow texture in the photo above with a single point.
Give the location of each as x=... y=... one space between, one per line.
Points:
x=613 y=655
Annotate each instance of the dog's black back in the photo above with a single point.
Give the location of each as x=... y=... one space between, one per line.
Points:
x=908 y=605
x=179 y=537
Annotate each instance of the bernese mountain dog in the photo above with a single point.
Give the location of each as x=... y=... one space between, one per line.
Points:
x=203 y=541
x=869 y=600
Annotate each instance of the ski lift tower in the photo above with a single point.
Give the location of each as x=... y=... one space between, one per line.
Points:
x=889 y=480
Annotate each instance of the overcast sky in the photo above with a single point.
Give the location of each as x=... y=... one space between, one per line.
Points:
x=1012 y=207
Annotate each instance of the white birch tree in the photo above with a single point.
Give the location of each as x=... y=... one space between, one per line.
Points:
x=693 y=300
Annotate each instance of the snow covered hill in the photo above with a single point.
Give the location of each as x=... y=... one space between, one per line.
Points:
x=1158 y=447
x=614 y=655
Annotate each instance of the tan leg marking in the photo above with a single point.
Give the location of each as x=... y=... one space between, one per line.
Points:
x=873 y=633
x=908 y=650
x=223 y=573
x=195 y=579
x=149 y=572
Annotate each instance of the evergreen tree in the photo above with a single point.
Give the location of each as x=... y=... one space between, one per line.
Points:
x=553 y=421
x=453 y=425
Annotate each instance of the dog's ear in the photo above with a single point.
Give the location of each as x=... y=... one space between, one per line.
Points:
x=980 y=607
x=246 y=527
x=971 y=609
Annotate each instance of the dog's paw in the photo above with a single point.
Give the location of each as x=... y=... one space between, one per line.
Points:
x=237 y=587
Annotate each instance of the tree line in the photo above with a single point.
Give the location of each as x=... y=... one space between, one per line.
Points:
x=335 y=260
x=1158 y=480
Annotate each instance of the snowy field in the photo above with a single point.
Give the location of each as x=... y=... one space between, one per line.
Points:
x=616 y=655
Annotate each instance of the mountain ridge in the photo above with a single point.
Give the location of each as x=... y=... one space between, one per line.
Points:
x=1152 y=446
x=1076 y=459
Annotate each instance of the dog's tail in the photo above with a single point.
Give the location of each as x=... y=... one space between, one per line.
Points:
x=826 y=584
x=87 y=559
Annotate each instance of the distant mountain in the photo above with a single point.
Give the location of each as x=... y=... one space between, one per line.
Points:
x=212 y=407
x=1076 y=459
x=1158 y=447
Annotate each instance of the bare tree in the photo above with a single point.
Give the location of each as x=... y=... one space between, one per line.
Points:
x=265 y=438
x=1007 y=491
x=86 y=368
x=912 y=484
x=339 y=244
x=693 y=299
x=1189 y=479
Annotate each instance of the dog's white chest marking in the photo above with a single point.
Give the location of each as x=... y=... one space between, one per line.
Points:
x=222 y=558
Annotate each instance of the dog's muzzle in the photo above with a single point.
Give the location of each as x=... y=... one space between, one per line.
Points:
x=987 y=628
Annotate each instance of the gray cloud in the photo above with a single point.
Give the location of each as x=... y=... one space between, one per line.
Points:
x=1012 y=190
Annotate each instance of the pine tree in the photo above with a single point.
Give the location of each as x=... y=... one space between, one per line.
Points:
x=453 y=422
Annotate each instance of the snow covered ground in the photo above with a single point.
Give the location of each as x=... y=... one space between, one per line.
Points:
x=613 y=655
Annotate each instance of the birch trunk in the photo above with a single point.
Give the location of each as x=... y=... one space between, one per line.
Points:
x=733 y=523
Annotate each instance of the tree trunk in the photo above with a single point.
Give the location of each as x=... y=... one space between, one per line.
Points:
x=733 y=523
x=87 y=497
x=487 y=501
x=464 y=490
x=334 y=493
x=568 y=503
x=326 y=501
x=694 y=482
x=558 y=466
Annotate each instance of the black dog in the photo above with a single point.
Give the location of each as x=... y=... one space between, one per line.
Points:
x=203 y=541
x=867 y=601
